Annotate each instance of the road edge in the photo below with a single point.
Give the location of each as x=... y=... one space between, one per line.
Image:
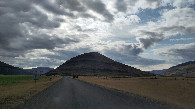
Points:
x=134 y=95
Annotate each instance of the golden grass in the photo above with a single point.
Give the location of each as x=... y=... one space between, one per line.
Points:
x=180 y=92
x=17 y=93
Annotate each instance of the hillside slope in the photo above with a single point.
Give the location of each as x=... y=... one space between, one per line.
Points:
x=185 y=69
x=94 y=63
x=7 y=69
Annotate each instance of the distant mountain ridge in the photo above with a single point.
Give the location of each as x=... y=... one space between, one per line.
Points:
x=7 y=69
x=40 y=70
x=186 y=69
x=94 y=63
x=158 y=71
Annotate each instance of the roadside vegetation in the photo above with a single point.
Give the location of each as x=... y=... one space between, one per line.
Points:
x=12 y=79
x=171 y=90
x=15 y=89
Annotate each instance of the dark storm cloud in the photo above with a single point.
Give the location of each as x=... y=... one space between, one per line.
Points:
x=13 y=19
x=121 y=5
x=86 y=15
x=20 y=22
x=66 y=7
x=61 y=55
x=127 y=49
x=80 y=29
x=178 y=29
x=131 y=59
x=5 y=53
x=21 y=19
x=129 y=54
x=151 y=39
x=67 y=54
x=15 y=5
x=100 y=8
x=56 y=59
x=73 y=5
x=59 y=20
x=46 y=42
x=42 y=42
x=155 y=37
x=53 y=7
x=36 y=63
x=15 y=39
x=33 y=16
x=132 y=49
x=154 y=1
x=187 y=53
x=38 y=19
x=22 y=62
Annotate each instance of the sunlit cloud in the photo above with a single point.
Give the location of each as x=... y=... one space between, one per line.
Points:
x=47 y=33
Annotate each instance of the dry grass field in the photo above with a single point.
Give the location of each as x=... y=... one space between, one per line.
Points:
x=15 y=89
x=174 y=91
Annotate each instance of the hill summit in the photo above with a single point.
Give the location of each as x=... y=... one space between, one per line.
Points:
x=94 y=63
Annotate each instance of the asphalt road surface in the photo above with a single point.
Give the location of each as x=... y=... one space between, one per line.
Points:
x=70 y=93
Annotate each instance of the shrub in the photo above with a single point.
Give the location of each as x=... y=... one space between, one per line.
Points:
x=75 y=76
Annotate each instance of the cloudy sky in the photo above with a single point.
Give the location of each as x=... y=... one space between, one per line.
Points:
x=147 y=34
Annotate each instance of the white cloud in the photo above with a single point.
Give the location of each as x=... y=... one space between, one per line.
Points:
x=173 y=22
x=177 y=53
x=126 y=19
x=109 y=27
x=179 y=3
x=153 y=67
x=182 y=39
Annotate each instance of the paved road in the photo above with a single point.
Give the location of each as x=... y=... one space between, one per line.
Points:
x=74 y=94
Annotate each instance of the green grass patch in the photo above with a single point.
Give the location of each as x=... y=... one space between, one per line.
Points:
x=12 y=79
x=16 y=89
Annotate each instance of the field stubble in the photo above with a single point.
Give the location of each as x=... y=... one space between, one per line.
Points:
x=174 y=91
